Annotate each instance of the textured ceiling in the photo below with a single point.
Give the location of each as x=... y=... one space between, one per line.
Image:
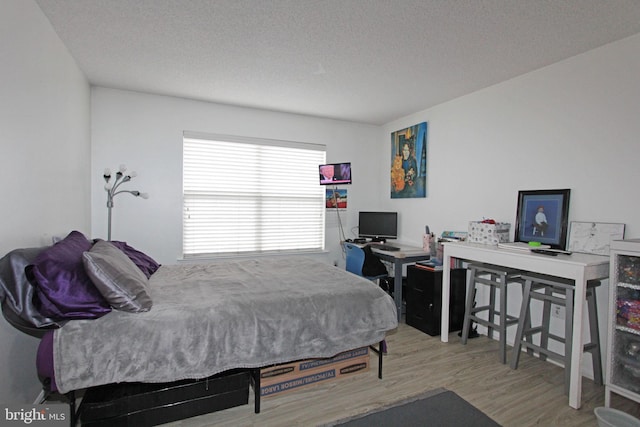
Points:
x=369 y=61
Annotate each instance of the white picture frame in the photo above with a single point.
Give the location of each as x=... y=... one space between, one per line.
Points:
x=593 y=237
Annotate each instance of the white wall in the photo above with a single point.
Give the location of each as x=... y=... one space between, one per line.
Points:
x=571 y=125
x=145 y=133
x=44 y=140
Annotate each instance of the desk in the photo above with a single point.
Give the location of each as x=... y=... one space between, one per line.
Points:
x=579 y=267
x=406 y=255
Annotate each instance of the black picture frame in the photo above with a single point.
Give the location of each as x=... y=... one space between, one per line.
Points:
x=554 y=207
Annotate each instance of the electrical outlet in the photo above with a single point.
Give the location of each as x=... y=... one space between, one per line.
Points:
x=557 y=311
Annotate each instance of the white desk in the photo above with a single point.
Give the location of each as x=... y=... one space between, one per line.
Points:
x=406 y=255
x=579 y=267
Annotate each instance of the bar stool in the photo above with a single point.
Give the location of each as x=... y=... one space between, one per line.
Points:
x=498 y=278
x=560 y=291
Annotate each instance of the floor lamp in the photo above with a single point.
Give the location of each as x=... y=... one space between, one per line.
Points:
x=112 y=189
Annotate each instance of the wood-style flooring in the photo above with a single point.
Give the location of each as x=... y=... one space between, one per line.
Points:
x=532 y=395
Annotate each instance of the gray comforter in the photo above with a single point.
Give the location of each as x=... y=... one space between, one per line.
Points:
x=209 y=318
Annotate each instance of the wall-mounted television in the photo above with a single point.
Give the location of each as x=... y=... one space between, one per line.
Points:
x=335 y=173
x=378 y=226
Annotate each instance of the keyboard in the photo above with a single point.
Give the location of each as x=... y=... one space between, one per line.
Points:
x=385 y=247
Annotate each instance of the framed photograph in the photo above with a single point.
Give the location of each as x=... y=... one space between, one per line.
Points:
x=543 y=217
x=593 y=237
x=409 y=162
x=336 y=198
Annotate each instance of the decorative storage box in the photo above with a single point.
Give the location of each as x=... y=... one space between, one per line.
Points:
x=488 y=234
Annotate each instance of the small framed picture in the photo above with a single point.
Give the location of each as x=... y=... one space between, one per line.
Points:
x=594 y=237
x=336 y=198
x=543 y=217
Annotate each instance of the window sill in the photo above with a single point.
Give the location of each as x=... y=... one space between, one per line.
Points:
x=194 y=259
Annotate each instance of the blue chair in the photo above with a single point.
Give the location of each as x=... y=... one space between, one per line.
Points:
x=355 y=261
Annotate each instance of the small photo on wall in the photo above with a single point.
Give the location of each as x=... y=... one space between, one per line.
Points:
x=336 y=199
x=409 y=162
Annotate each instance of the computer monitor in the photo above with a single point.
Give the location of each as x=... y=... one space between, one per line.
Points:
x=378 y=226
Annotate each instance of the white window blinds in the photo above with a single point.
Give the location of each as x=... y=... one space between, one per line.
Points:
x=250 y=195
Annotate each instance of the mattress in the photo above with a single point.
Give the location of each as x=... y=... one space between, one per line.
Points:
x=211 y=318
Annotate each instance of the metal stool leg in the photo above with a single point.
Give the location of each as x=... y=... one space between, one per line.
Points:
x=594 y=332
x=503 y=318
x=568 y=337
x=471 y=296
x=492 y=308
x=523 y=322
x=546 y=320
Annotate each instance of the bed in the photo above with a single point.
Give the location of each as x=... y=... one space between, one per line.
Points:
x=184 y=321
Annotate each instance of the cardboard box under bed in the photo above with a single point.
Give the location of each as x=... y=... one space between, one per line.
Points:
x=278 y=379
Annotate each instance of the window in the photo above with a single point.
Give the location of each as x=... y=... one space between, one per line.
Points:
x=245 y=195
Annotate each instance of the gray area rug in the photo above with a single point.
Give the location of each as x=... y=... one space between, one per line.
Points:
x=437 y=408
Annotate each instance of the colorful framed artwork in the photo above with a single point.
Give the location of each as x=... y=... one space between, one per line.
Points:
x=543 y=217
x=409 y=162
x=336 y=198
x=593 y=237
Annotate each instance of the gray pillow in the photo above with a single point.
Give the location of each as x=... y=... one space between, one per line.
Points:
x=117 y=278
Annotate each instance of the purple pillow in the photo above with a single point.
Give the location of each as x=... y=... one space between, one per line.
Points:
x=63 y=290
x=142 y=260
